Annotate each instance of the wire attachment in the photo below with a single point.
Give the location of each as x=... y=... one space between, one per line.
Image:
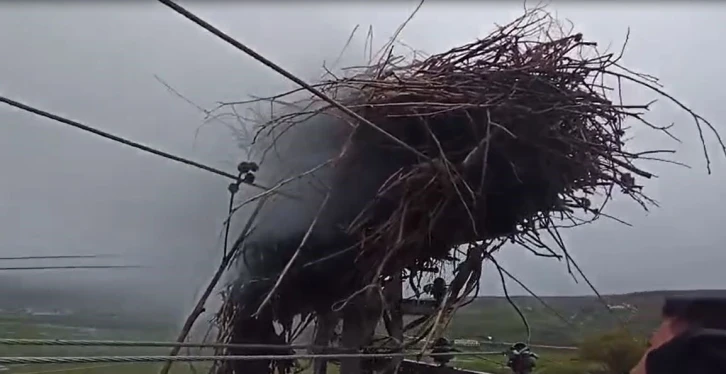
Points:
x=521 y=359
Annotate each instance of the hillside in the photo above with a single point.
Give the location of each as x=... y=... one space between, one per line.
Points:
x=486 y=316
x=579 y=316
x=91 y=306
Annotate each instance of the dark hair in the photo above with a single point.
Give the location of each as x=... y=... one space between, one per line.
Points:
x=698 y=312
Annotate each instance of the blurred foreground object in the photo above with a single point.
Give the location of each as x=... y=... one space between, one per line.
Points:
x=521 y=359
x=699 y=344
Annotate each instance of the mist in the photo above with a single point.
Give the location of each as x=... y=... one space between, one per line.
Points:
x=66 y=192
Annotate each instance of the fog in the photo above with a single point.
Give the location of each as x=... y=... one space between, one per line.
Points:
x=63 y=191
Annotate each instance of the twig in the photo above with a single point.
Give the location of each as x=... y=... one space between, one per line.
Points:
x=199 y=307
x=200 y=22
x=528 y=329
x=278 y=186
x=295 y=255
x=533 y=294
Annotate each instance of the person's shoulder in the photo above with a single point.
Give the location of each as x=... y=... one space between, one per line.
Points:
x=699 y=351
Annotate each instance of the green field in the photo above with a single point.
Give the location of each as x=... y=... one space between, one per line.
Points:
x=576 y=318
x=33 y=328
x=22 y=326
x=14 y=326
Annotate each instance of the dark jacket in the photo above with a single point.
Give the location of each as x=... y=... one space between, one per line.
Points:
x=699 y=351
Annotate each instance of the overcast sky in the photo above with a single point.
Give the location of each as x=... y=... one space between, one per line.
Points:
x=67 y=192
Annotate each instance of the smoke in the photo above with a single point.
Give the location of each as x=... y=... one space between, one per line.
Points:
x=77 y=194
x=283 y=155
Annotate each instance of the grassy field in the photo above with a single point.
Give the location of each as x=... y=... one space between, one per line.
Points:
x=23 y=327
x=576 y=318
x=14 y=326
x=550 y=361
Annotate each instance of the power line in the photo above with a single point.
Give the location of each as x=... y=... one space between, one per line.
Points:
x=543 y=346
x=121 y=140
x=249 y=51
x=533 y=294
x=66 y=370
x=121 y=359
x=131 y=343
x=54 y=257
x=70 y=267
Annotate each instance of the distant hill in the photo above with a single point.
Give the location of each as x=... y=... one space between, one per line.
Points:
x=83 y=307
x=573 y=318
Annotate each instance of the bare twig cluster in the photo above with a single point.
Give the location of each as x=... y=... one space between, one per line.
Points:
x=495 y=141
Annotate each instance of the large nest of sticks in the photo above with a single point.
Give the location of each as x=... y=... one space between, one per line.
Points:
x=489 y=142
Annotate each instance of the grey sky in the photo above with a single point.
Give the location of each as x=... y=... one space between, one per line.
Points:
x=63 y=191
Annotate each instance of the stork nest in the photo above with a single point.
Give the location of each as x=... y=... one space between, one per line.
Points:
x=489 y=142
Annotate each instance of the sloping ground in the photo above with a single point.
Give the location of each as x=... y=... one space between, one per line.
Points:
x=486 y=316
x=31 y=328
x=581 y=316
x=88 y=306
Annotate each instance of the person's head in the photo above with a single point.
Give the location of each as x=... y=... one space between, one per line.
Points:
x=696 y=312
x=681 y=314
x=676 y=346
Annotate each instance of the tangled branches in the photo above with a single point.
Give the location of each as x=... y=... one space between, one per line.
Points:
x=499 y=134
x=486 y=143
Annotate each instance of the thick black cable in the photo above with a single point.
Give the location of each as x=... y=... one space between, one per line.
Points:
x=121 y=140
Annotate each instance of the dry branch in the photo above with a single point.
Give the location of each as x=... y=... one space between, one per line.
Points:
x=199 y=307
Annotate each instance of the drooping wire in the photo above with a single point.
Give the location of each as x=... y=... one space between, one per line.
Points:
x=121 y=140
x=68 y=267
x=278 y=69
x=533 y=294
x=509 y=299
x=54 y=257
x=130 y=359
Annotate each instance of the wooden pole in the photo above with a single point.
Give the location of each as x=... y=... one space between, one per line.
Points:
x=394 y=296
x=324 y=329
x=360 y=318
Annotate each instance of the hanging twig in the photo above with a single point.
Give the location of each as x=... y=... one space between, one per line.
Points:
x=295 y=255
x=199 y=308
x=355 y=116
